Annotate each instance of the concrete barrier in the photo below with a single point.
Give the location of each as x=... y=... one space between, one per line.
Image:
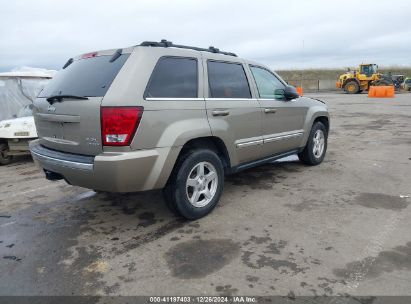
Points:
x=326 y=85
x=313 y=85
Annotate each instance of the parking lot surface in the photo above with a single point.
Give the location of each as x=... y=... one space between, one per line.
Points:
x=342 y=227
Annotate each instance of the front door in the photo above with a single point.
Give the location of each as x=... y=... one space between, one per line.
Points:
x=283 y=121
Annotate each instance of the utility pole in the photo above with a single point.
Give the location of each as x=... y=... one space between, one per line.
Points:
x=302 y=63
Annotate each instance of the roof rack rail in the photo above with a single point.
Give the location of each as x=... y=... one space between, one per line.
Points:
x=165 y=43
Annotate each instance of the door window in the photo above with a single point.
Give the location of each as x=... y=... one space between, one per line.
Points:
x=174 y=77
x=266 y=82
x=227 y=80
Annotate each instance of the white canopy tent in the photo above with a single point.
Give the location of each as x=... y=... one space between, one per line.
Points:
x=19 y=88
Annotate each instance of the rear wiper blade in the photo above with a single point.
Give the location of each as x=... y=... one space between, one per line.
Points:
x=60 y=98
x=70 y=61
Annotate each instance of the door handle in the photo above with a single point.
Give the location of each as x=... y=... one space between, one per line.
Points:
x=220 y=112
x=270 y=110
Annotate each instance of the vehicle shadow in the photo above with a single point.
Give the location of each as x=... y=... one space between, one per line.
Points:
x=20 y=160
x=264 y=177
x=146 y=216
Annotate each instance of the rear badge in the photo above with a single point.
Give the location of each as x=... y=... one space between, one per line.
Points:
x=51 y=109
x=92 y=141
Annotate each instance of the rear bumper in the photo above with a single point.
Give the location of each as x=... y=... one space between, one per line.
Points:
x=51 y=158
x=109 y=171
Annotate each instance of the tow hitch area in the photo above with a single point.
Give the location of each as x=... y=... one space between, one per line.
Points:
x=53 y=176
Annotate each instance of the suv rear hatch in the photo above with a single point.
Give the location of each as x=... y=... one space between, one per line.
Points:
x=67 y=111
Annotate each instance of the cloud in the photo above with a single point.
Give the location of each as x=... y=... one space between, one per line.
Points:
x=44 y=33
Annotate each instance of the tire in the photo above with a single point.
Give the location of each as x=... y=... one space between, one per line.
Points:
x=351 y=87
x=188 y=183
x=313 y=154
x=5 y=160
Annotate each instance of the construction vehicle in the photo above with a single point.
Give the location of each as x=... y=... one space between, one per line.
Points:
x=397 y=81
x=406 y=85
x=367 y=75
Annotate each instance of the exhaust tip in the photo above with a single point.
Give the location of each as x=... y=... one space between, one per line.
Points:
x=53 y=176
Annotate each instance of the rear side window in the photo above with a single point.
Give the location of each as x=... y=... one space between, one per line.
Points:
x=174 y=77
x=266 y=82
x=88 y=77
x=227 y=80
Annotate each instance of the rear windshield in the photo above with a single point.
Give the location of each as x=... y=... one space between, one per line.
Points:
x=89 y=77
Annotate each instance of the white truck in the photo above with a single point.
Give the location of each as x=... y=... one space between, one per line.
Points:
x=18 y=89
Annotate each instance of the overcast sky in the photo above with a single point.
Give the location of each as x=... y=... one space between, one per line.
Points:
x=45 y=33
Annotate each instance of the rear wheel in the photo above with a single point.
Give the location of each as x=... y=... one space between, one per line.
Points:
x=5 y=159
x=314 y=151
x=196 y=184
x=352 y=87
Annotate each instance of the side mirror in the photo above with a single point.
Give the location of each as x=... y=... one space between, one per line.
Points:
x=279 y=94
x=288 y=93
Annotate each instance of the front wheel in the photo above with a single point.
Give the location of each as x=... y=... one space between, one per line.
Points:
x=352 y=87
x=196 y=184
x=5 y=159
x=314 y=151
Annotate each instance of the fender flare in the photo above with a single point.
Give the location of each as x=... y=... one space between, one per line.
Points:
x=313 y=114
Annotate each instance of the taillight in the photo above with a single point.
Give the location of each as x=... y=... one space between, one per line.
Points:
x=118 y=124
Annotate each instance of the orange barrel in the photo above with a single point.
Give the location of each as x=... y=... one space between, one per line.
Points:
x=300 y=91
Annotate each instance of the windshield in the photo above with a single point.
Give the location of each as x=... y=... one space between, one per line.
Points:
x=89 y=77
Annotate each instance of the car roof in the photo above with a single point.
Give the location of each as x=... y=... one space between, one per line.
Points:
x=211 y=52
x=208 y=53
x=165 y=43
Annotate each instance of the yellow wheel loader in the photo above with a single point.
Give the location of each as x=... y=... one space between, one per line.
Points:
x=367 y=75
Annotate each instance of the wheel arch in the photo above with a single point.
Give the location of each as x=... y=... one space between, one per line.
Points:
x=324 y=120
x=314 y=115
x=208 y=142
x=175 y=155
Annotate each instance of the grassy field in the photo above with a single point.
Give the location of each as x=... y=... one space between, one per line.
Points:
x=316 y=74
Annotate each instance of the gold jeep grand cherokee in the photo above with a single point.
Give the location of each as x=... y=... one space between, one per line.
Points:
x=160 y=115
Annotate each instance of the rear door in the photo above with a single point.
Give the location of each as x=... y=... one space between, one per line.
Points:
x=283 y=120
x=233 y=114
x=72 y=124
